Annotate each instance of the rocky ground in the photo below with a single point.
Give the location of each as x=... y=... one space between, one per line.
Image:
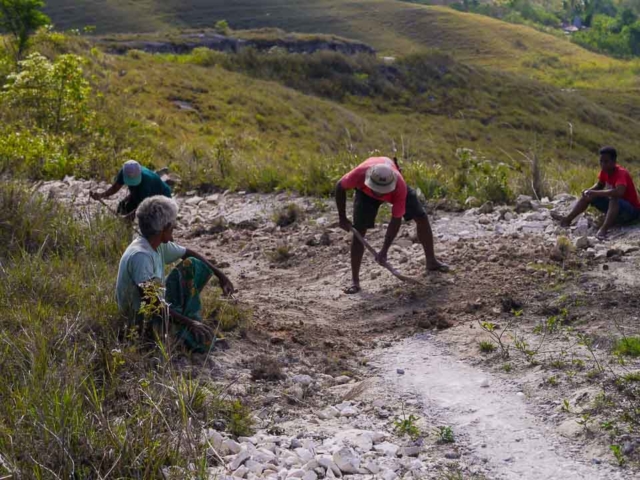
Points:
x=391 y=383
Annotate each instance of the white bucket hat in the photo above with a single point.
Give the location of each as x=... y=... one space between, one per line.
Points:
x=381 y=179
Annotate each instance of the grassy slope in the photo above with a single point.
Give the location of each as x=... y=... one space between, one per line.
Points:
x=498 y=114
x=389 y=25
x=269 y=124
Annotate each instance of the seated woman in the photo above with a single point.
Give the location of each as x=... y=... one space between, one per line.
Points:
x=141 y=279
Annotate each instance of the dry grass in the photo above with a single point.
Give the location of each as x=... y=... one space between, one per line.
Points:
x=266 y=368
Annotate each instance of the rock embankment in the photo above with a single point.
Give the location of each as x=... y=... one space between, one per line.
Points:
x=186 y=43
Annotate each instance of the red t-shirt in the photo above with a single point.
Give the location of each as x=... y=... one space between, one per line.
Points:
x=621 y=177
x=356 y=178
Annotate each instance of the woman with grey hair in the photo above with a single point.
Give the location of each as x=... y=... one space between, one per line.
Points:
x=143 y=264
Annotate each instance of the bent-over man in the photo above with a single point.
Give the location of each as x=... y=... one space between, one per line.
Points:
x=142 y=182
x=143 y=263
x=614 y=194
x=378 y=180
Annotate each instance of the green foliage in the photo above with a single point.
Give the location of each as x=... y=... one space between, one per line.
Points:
x=482 y=179
x=407 y=426
x=240 y=421
x=513 y=11
x=21 y=18
x=605 y=36
x=222 y=27
x=445 y=434
x=617 y=452
x=632 y=377
x=487 y=347
x=627 y=346
x=53 y=96
x=227 y=315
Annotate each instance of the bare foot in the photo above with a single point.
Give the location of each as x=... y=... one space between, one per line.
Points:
x=561 y=218
x=601 y=235
x=437 y=266
x=355 y=288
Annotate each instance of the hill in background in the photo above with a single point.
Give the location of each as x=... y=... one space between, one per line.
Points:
x=460 y=81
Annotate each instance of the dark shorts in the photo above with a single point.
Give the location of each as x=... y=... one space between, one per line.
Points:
x=365 y=209
x=628 y=213
x=126 y=206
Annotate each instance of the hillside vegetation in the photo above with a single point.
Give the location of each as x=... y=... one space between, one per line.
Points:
x=391 y=26
x=264 y=122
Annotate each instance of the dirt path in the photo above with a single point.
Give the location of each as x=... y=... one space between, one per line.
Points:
x=492 y=414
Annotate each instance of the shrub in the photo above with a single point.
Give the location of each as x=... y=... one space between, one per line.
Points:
x=288 y=215
x=222 y=27
x=281 y=254
x=627 y=346
x=480 y=178
x=266 y=368
x=240 y=420
x=53 y=96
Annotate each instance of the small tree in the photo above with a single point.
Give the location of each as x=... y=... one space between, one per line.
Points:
x=222 y=27
x=21 y=18
x=54 y=96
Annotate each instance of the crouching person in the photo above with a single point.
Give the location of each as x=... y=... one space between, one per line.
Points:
x=142 y=265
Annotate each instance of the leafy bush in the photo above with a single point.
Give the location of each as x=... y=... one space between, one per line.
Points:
x=431 y=180
x=485 y=180
x=222 y=27
x=53 y=96
x=288 y=215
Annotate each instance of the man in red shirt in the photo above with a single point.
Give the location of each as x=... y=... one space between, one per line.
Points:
x=378 y=180
x=614 y=194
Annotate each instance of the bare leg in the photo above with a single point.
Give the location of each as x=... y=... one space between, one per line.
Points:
x=425 y=236
x=610 y=218
x=580 y=207
x=357 y=251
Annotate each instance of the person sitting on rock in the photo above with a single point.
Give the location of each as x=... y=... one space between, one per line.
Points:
x=614 y=194
x=142 y=182
x=141 y=279
x=379 y=180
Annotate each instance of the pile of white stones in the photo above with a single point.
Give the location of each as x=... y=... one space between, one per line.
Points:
x=351 y=453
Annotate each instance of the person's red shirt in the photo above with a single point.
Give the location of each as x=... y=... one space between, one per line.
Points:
x=621 y=176
x=356 y=177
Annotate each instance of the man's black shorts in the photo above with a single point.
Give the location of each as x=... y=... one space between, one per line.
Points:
x=365 y=209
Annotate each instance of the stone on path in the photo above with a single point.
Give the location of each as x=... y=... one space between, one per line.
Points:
x=347 y=460
x=388 y=449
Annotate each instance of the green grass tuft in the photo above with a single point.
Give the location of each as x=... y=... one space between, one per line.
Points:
x=487 y=347
x=627 y=346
